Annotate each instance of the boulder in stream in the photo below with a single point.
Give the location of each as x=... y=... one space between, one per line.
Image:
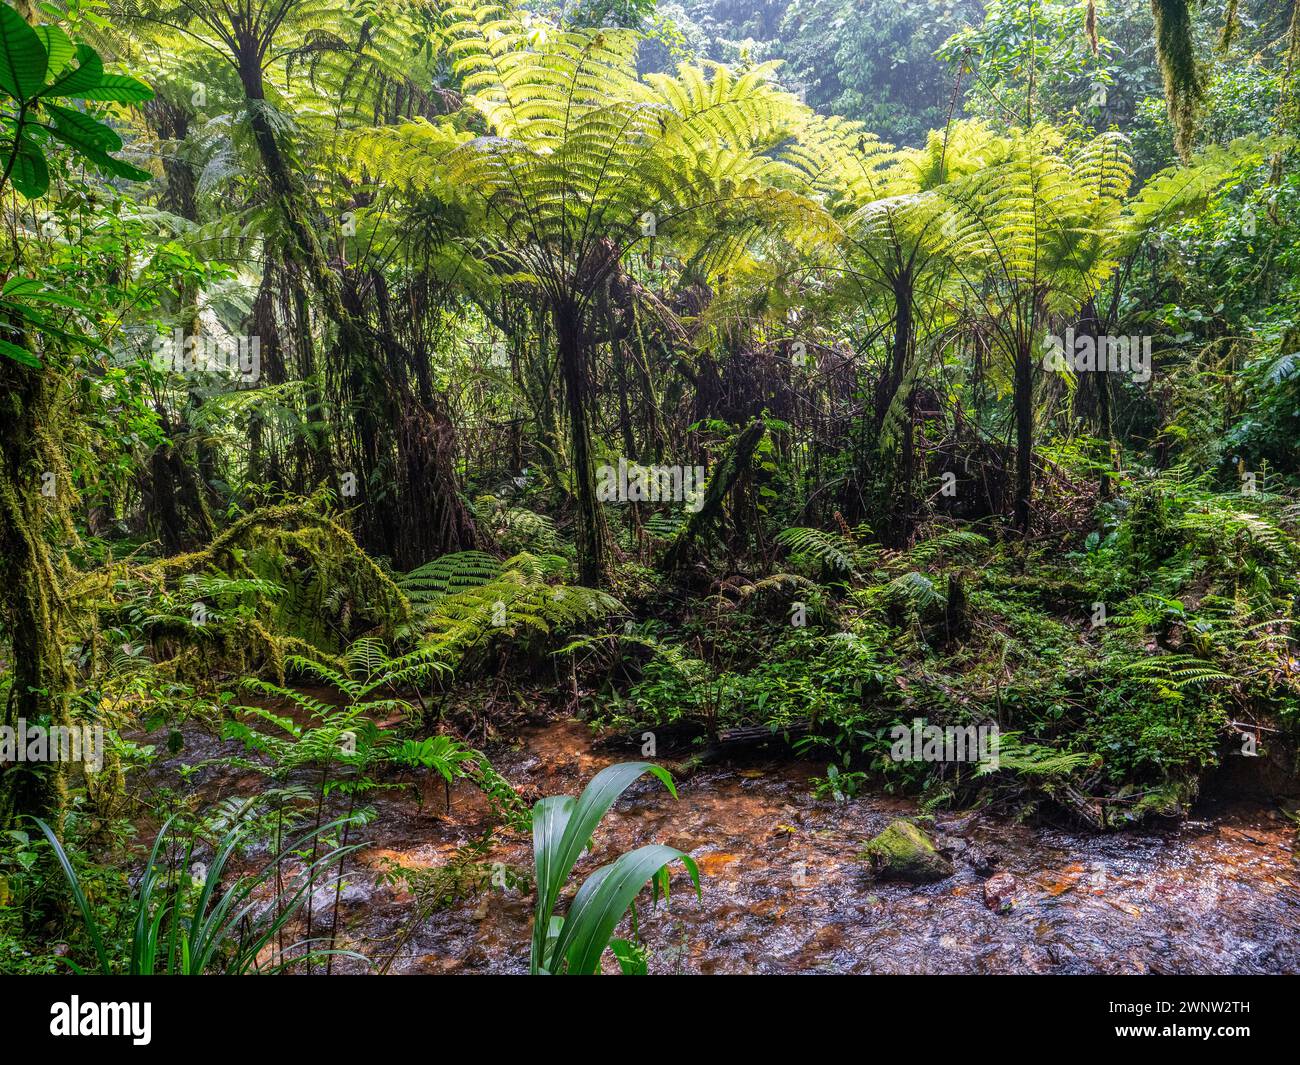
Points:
x=903 y=852
x=1000 y=892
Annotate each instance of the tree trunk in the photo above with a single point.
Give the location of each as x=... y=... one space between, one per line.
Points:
x=732 y=465
x=32 y=610
x=1101 y=388
x=894 y=460
x=1024 y=404
x=594 y=564
x=376 y=392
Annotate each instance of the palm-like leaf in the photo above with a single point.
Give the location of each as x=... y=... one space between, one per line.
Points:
x=562 y=830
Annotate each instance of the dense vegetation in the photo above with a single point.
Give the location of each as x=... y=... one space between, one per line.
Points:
x=379 y=376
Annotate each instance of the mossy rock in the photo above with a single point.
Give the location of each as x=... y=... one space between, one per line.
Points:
x=903 y=852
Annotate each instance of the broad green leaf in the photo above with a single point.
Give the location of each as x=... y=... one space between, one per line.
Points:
x=18 y=354
x=78 y=128
x=604 y=898
x=29 y=290
x=115 y=87
x=550 y=819
x=22 y=56
x=630 y=960
x=88 y=73
x=562 y=829
x=58 y=49
x=30 y=175
x=107 y=163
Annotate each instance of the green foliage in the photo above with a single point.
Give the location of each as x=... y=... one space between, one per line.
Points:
x=834 y=552
x=562 y=830
x=38 y=66
x=486 y=250
x=465 y=603
x=184 y=922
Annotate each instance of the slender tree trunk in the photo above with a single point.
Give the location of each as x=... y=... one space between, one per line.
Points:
x=893 y=455
x=1024 y=405
x=594 y=564
x=1101 y=387
x=896 y=372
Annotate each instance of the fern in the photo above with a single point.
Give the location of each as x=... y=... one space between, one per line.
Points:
x=1176 y=672
x=463 y=603
x=1034 y=760
x=915 y=590
x=833 y=551
x=448 y=575
x=958 y=543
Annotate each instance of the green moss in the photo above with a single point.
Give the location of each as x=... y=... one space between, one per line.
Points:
x=903 y=852
x=1184 y=82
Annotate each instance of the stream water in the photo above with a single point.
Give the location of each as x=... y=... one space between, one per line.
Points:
x=784 y=892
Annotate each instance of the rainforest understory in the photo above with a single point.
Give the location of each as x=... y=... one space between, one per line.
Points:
x=860 y=464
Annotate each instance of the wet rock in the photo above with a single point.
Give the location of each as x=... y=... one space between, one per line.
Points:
x=903 y=852
x=983 y=862
x=999 y=892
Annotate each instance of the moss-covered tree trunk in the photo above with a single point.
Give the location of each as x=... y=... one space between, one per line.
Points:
x=35 y=485
x=376 y=396
x=733 y=463
x=1183 y=81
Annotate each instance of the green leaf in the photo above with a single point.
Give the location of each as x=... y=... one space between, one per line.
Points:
x=78 y=129
x=118 y=167
x=29 y=290
x=107 y=163
x=562 y=828
x=88 y=73
x=58 y=49
x=115 y=87
x=30 y=175
x=22 y=56
x=18 y=354
x=604 y=898
x=87 y=913
x=631 y=961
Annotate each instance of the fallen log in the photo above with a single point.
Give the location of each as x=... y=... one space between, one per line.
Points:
x=729 y=742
